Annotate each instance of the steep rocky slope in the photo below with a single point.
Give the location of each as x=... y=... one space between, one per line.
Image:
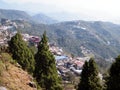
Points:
x=12 y=77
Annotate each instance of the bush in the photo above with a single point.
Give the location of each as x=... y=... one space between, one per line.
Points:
x=1 y=67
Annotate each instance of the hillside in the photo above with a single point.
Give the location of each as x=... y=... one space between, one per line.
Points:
x=82 y=37
x=99 y=38
x=12 y=77
x=41 y=18
x=14 y=14
x=22 y=15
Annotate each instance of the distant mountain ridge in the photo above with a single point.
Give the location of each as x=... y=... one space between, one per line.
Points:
x=14 y=14
x=41 y=18
x=22 y=15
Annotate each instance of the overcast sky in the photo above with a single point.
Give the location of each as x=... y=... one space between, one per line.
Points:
x=107 y=10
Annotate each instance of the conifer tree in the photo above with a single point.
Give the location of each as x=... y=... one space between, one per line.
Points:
x=21 y=53
x=83 y=85
x=45 y=68
x=89 y=77
x=113 y=82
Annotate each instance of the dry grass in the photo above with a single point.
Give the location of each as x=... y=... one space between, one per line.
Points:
x=68 y=87
x=15 y=78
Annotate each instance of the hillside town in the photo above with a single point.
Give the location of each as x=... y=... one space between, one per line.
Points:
x=64 y=63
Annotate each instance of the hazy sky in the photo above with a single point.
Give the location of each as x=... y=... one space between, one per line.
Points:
x=107 y=10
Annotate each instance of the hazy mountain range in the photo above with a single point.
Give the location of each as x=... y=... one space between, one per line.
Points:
x=41 y=18
x=16 y=14
x=94 y=37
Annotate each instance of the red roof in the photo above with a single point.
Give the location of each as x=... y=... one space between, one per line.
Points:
x=79 y=63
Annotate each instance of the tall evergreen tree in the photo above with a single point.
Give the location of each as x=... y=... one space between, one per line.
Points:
x=21 y=53
x=89 y=77
x=113 y=82
x=83 y=85
x=45 y=68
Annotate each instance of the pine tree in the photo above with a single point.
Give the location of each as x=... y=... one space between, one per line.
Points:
x=83 y=85
x=21 y=53
x=113 y=82
x=45 y=68
x=89 y=77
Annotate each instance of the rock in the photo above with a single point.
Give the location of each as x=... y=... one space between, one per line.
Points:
x=32 y=84
x=18 y=65
x=30 y=77
x=3 y=88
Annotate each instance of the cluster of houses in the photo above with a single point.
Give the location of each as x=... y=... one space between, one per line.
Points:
x=66 y=63
x=55 y=49
x=6 y=26
x=8 y=30
x=34 y=40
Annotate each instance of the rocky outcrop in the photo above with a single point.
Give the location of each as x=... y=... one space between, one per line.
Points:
x=3 y=88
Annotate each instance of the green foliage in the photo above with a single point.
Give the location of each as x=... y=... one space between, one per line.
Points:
x=89 y=77
x=4 y=58
x=33 y=49
x=21 y=53
x=45 y=68
x=1 y=67
x=113 y=82
x=3 y=49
